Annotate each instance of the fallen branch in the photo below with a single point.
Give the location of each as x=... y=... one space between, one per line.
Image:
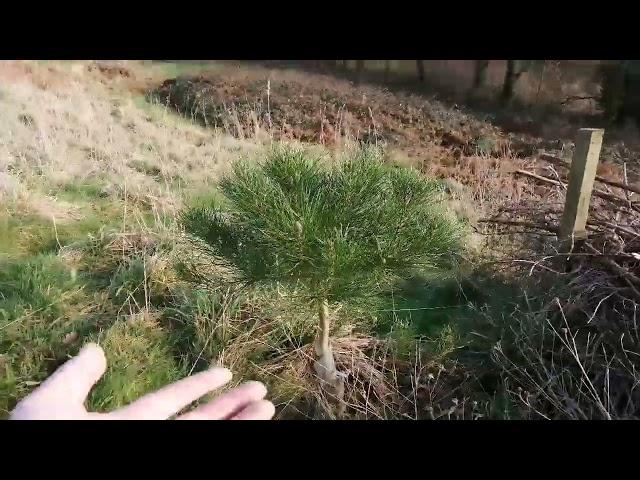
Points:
x=567 y=165
x=548 y=228
x=617 y=269
x=613 y=226
x=595 y=192
x=573 y=98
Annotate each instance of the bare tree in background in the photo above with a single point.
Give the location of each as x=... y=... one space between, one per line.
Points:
x=613 y=87
x=511 y=76
x=420 y=65
x=481 y=74
x=359 y=69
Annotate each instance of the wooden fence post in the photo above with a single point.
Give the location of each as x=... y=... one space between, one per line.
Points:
x=581 y=177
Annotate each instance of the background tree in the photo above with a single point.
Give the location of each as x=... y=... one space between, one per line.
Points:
x=481 y=74
x=335 y=233
x=619 y=93
x=515 y=68
x=359 y=70
x=510 y=78
x=420 y=67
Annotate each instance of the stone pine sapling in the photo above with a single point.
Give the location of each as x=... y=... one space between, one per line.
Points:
x=336 y=232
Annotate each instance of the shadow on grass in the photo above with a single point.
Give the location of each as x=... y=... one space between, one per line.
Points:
x=426 y=306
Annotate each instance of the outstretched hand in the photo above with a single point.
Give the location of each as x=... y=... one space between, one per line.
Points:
x=63 y=394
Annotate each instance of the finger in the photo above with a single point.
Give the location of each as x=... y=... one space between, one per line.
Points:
x=73 y=381
x=229 y=403
x=173 y=398
x=262 y=410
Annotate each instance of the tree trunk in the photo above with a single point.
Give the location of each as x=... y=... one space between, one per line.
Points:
x=325 y=364
x=612 y=97
x=359 y=69
x=481 y=74
x=387 y=69
x=540 y=80
x=420 y=65
x=510 y=78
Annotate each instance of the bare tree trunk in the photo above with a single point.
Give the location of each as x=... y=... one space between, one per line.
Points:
x=420 y=65
x=540 y=80
x=387 y=69
x=359 y=69
x=325 y=365
x=481 y=74
x=510 y=77
x=612 y=97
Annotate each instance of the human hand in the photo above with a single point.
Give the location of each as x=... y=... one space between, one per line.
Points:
x=62 y=396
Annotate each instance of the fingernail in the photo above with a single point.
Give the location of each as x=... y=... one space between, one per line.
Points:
x=221 y=372
x=93 y=349
x=258 y=387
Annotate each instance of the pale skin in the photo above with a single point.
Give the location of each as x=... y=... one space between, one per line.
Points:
x=63 y=395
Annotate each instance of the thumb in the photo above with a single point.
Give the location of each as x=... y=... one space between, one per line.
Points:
x=73 y=381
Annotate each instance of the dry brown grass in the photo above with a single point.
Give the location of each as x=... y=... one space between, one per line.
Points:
x=64 y=128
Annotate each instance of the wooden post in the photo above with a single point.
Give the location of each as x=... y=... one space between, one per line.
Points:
x=581 y=177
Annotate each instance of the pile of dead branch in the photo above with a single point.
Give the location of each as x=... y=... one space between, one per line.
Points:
x=613 y=227
x=576 y=356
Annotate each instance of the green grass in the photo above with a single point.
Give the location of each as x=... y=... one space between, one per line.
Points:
x=63 y=285
x=31 y=234
x=182 y=68
x=47 y=297
x=140 y=360
x=83 y=280
x=146 y=168
x=39 y=299
x=81 y=192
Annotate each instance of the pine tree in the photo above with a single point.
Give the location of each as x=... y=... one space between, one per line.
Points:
x=336 y=232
